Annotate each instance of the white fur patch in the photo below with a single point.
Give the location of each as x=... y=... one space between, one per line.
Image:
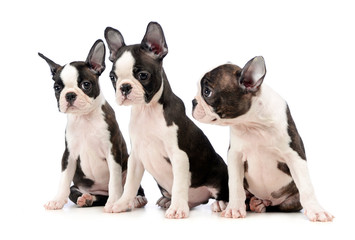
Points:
x=93 y=147
x=152 y=141
x=69 y=76
x=124 y=66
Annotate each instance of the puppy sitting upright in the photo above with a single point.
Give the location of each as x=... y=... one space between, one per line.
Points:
x=95 y=152
x=266 y=156
x=164 y=140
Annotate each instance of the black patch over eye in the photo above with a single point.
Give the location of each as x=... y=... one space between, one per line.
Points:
x=57 y=88
x=143 y=75
x=86 y=85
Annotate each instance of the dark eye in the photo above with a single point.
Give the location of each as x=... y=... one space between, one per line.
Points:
x=143 y=76
x=207 y=92
x=57 y=88
x=86 y=85
x=113 y=78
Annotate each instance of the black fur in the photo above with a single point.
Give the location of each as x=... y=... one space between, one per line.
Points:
x=65 y=157
x=206 y=166
x=79 y=177
x=296 y=141
x=230 y=102
x=119 y=148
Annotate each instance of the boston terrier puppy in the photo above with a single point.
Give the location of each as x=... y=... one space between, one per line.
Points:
x=95 y=156
x=266 y=158
x=165 y=142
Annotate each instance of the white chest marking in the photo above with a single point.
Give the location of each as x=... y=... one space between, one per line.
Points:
x=152 y=140
x=261 y=135
x=155 y=144
x=88 y=137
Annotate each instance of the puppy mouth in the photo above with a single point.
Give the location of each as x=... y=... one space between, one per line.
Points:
x=70 y=108
x=124 y=100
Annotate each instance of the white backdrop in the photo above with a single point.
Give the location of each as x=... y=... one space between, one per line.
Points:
x=309 y=51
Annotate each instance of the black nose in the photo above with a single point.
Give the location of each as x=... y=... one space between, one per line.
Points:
x=126 y=89
x=70 y=97
x=194 y=104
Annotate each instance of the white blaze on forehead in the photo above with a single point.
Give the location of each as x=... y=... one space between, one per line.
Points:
x=69 y=76
x=124 y=66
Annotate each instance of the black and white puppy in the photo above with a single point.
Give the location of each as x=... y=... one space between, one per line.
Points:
x=266 y=155
x=95 y=156
x=165 y=142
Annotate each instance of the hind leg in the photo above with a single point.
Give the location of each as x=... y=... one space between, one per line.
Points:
x=219 y=206
x=140 y=200
x=165 y=200
x=291 y=204
x=258 y=205
x=86 y=199
x=75 y=195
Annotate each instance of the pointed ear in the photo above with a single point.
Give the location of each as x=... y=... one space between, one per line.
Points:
x=96 y=57
x=253 y=74
x=114 y=41
x=154 y=41
x=54 y=67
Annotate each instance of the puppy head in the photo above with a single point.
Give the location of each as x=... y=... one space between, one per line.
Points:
x=226 y=92
x=137 y=73
x=76 y=85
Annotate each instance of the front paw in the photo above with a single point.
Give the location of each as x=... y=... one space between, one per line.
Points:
x=235 y=211
x=318 y=215
x=177 y=211
x=108 y=207
x=122 y=205
x=55 y=204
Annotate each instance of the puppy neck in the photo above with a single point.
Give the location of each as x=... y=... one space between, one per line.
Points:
x=264 y=110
